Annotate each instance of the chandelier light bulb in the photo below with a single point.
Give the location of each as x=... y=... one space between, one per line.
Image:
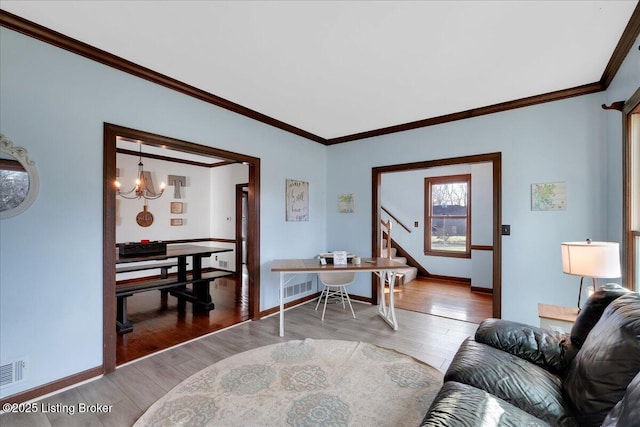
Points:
x=141 y=189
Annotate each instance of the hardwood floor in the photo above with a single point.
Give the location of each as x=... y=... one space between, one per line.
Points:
x=133 y=387
x=156 y=328
x=444 y=298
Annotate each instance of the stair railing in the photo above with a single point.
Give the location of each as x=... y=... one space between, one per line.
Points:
x=395 y=219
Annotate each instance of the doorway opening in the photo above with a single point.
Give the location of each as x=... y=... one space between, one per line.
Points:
x=494 y=159
x=114 y=133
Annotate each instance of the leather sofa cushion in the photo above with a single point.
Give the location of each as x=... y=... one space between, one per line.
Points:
x=521 y=383
x=463 y=405
x=607 y=362
x=626 y=413
x=592 y=311
x=548 y=349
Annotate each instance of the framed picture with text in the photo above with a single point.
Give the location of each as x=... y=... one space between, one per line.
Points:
x=297 y=200
x=176 y=207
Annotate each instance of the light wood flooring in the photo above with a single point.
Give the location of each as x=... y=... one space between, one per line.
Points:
x=444 y=298
x=133 y=387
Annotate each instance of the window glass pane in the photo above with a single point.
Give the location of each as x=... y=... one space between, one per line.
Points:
x=447 y=215
x=449 y=199
x=449 y=234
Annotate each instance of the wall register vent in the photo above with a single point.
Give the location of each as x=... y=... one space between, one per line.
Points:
x=12 y=372
x=300 y=288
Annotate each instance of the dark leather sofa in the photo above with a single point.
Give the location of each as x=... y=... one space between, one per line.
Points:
x=511 y=374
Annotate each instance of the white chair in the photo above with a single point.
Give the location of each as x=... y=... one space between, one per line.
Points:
x=335 y=283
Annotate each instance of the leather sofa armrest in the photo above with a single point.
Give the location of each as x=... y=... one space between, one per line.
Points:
x=548 y=349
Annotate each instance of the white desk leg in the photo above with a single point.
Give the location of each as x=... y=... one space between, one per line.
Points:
x=281 y=304
x=382 y=305
x=387 y=313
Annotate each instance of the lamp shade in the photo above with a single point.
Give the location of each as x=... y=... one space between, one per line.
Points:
x=591 y=259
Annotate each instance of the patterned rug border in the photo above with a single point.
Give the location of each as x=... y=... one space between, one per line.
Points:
x=309 y=382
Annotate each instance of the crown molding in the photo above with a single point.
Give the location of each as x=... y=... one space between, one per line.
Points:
x=31 y=29
x=70 y=44
x=475 y=112
x=628 y=38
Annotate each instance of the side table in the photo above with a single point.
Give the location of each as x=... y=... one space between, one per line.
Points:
x=556 y=317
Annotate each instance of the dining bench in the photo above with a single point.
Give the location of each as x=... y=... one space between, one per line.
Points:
x=165 y=285
x=163 y=266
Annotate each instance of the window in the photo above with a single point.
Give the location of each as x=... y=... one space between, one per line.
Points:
x=448 y=216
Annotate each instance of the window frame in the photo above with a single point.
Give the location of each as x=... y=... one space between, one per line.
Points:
x=429 y=182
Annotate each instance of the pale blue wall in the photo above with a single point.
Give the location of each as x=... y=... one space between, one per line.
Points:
x=54 y=104
x=403 y=194
x=563 y=141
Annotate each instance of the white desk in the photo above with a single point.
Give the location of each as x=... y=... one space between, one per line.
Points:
x=384 y=268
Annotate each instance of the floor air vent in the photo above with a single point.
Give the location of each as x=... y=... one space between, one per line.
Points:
x=12 y=372
x=300 y=288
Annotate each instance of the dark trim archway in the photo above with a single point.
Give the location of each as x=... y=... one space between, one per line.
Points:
x=111 y=133
x=241 y=193
x=629 y=234
x=496 y=160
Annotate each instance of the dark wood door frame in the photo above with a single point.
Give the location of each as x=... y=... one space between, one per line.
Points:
x=111 y=134
x=630 y=107
x=496 y=160
x=240 y=195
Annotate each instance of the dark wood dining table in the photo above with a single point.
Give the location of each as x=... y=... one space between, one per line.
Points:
x=199 y=295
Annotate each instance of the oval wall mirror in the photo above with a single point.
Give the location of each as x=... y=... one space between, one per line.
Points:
x=18 y=179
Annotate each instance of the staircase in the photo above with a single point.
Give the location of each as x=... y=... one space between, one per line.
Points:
x=405 y=275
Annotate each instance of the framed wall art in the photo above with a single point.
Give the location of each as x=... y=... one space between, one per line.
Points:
x=550 y=196
x=177 y=221
x=346 y=203
x=296 y=200
x=176 y=207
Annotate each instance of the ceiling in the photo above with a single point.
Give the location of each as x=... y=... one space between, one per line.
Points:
x=334 y=69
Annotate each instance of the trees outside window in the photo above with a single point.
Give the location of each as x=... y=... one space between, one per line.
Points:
x=448 y=216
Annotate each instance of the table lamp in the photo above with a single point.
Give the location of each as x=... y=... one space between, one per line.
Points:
x=591 y=259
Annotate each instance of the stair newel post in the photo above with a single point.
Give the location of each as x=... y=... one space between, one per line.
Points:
x=387 y=224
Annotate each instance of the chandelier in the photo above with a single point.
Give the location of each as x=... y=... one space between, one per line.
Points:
x=144 y=186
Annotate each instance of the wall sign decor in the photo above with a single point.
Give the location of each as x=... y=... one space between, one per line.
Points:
x=178 y=182
x=177 y=221
x=346 y=203
x=144 y=218
x=297 y=200
x=550 y=196
x=176 y=207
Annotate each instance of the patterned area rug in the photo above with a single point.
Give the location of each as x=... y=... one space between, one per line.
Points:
x=303 y=383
